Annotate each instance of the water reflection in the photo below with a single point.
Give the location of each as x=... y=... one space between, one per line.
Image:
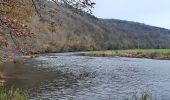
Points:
x=66 y=76
x=23 y=76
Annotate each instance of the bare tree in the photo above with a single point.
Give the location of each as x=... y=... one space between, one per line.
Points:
x=76 y=5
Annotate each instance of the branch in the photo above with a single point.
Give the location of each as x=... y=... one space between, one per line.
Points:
x=36 y=9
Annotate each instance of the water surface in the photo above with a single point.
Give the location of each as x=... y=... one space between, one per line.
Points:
x=66 y=76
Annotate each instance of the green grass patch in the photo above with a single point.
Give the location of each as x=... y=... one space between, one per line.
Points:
x=12 y=94
x=18 y=94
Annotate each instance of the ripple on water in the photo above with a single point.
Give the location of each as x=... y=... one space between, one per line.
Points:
x=67 y=76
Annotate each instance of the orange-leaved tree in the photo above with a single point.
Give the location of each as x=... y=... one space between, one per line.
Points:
x=15 y=13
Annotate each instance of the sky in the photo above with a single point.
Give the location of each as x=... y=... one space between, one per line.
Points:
x=151 y=12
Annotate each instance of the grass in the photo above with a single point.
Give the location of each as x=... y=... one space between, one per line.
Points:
x=18 y=94
x=135 y=53
x=13 y=94
x=143 y=96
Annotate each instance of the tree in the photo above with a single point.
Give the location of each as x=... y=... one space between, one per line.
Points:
x=75 y=5
x=14 y=13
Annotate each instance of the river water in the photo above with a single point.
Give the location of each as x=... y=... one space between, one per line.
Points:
x=67 y=76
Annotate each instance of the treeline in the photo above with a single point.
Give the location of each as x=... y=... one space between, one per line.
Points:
x=139 y=35
x=61 y=29
x=86 y=32
x=17 y=16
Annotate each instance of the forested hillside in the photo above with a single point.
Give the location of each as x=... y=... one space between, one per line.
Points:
x=60 y=29
x=76 y=32
x=141 y=35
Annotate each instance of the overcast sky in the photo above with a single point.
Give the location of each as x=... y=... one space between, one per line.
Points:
x=152 y=12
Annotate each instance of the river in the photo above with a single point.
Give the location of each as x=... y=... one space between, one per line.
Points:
x=67 y=76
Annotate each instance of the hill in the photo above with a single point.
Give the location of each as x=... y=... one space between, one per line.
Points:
x=139 y=35
x=63 y=30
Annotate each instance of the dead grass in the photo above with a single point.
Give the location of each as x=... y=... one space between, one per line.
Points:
x=136 y=53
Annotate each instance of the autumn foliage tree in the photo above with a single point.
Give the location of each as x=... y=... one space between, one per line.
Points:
x=15 y=13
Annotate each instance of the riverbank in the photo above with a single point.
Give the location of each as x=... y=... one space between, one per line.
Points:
x=13 y=94
x=18 y=59
x=18 y=94
x=162 y=54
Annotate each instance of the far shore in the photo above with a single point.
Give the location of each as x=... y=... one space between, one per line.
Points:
x=161 y=54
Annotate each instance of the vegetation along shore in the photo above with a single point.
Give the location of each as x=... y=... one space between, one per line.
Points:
x=163 y=54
